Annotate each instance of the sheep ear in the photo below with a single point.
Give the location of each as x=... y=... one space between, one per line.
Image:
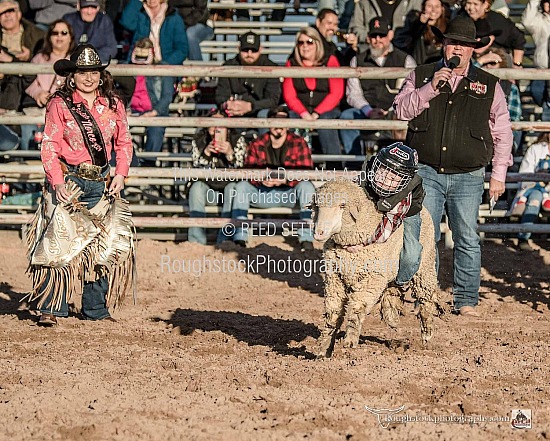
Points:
x=354 y=211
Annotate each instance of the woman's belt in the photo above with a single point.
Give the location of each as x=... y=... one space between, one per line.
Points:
x=87 y=171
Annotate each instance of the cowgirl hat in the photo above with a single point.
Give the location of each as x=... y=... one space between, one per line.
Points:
x=84 y=58
x=462 y=29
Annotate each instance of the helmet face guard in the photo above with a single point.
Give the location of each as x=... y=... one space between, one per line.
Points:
x=392 y=169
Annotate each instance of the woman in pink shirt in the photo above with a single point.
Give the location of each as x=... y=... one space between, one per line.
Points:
x=314 y=98
x=85 y=120
x=58 y=44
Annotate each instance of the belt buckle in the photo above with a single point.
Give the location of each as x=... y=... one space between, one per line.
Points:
x=89 y=171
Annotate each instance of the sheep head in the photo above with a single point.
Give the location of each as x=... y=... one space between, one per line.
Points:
x=340 y=209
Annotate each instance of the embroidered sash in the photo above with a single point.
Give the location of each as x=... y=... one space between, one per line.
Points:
x=93 y=139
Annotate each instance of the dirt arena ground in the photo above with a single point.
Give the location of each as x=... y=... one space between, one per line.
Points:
x=215 y=356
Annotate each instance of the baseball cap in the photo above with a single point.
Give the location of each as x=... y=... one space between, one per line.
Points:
x=6 y=5
x=379 y=26
x=87 y=3
x=250 y=40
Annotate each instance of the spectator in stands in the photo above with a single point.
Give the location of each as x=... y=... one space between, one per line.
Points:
x=91 y=25
x=393 y=11
x=532 y=196
x=496 y=58
x=152 y=97
x=58 y=44
x=511 y=39
x=47 y=11
x=277 y=149
x=20 y=41
x=215 y=147
x=372 y=99
x=314 y=98
x=326 y=24
x=458 y=123
x=161 y=23
x=195 y=15
x=417 y=38
x=536 y=19
x=248 y=96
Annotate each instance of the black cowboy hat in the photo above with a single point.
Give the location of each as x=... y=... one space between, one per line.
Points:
x=484 y=28
x=84 y=57
x=462 y=29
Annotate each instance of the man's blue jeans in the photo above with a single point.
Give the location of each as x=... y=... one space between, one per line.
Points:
x=532 y=210
x=329 y=140
x=201 y=195
x=351 y=138
x=247 y=195
x=196 y=34
x=460 y=194
x=93 y=296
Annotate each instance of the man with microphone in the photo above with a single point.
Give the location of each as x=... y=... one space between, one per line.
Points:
x=458 y=123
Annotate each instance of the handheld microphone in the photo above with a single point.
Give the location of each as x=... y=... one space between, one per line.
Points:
x=451 y=64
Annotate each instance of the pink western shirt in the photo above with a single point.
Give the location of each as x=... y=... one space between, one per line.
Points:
x=63 y=138
x=410 y=102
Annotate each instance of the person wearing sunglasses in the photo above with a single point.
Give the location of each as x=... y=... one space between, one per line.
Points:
x=58 y=44
x=314 y=98
x=248 y=96
x=20 y=40
x=91 y=25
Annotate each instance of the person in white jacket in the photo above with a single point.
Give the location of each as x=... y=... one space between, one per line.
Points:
x=536 y=19
x=532 y=196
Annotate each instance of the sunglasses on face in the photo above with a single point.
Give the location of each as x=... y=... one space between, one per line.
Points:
x=55 y=33
x=8 y=11
x=309 y=42
x=254 y=51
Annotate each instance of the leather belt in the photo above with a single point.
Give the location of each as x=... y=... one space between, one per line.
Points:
x=87 y=171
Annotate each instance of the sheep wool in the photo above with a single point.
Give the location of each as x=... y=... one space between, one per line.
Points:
x=345 y=216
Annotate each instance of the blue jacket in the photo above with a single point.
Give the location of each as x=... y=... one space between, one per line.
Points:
x=101 y=34
x=173 y=38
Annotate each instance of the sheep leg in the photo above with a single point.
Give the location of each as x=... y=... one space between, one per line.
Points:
x=335 y=306
x=392 y=306
x=361 y=303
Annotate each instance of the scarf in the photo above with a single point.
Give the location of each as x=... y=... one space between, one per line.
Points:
x=156 y=23
x=391 y=221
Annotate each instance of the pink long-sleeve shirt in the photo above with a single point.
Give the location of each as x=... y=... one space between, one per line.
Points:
x=411 y=102
x=45 y=82
x=63 y=138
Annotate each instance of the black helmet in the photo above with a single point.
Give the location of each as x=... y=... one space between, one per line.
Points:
x=392 y=169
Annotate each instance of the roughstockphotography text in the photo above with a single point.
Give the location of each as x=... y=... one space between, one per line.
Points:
x=262 y=264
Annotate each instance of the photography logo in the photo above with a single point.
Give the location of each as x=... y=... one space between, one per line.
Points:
x=384 y=416
x=521 y=419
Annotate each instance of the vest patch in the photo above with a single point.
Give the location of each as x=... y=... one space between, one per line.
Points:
x=477 y=87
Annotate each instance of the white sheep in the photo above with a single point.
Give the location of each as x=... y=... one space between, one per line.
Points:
x=344 y=216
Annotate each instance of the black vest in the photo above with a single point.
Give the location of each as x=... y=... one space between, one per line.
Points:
x=453 y=134
x=310 y=98
x=380 y=93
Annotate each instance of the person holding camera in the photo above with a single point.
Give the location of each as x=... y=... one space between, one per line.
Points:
x=214 y=147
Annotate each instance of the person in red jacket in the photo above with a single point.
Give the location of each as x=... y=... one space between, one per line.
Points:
x=314 y=98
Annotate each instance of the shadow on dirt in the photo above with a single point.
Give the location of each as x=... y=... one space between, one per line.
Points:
x=10 y=302
x=522 y=275
x=253 y=330
x=297 y=269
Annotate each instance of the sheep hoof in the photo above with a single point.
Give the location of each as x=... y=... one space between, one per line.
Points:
x=351 y=342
